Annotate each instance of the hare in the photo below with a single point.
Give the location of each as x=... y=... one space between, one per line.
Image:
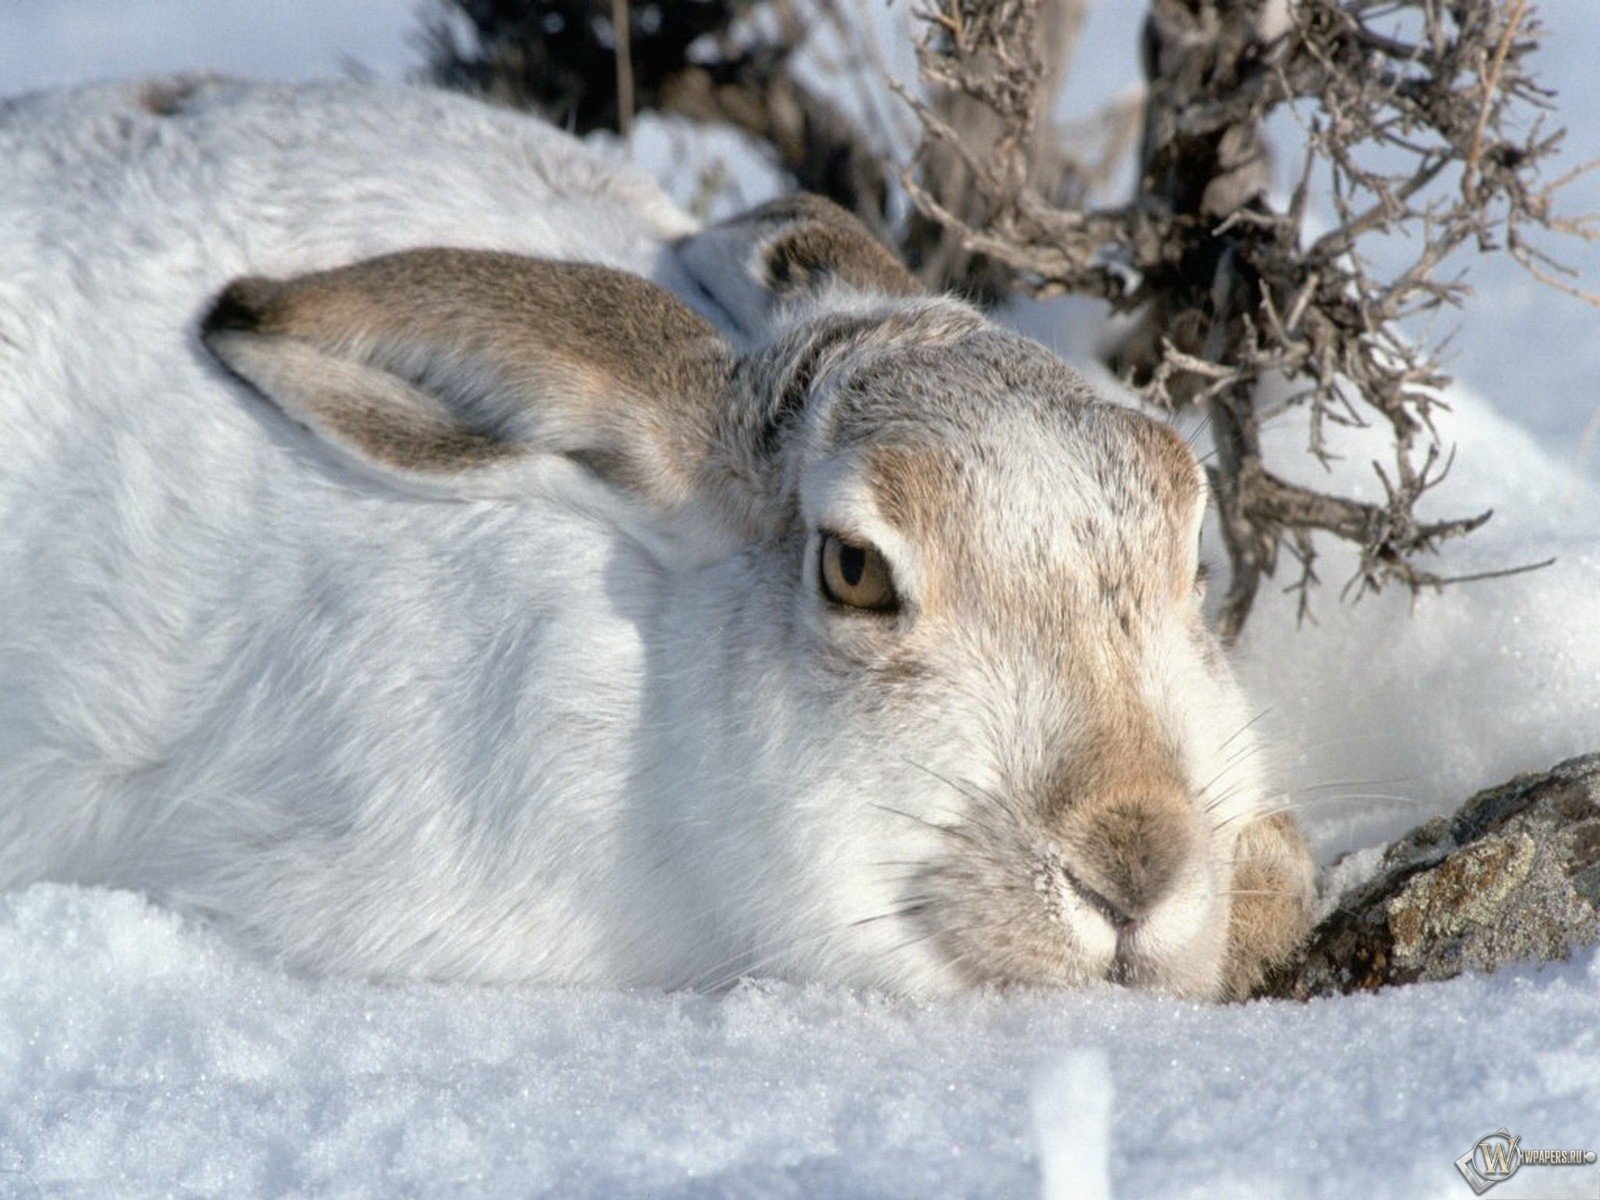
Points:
x=511 y=581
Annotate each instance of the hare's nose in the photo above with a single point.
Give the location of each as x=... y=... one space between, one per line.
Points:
x=1115 y=914
x=1126 y=857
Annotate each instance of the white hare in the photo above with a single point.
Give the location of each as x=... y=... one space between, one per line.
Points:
x=769 y=617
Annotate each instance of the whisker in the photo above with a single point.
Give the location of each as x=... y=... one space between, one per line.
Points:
x=948 y=830
x=1250 y=818
x=1393 y=799
x=979 y=820
x=1241 y=755
x=750 y=962
x=1339 y=783
x=1251 y=723
x=970 y=790
x=1219 y=800
x=912 y=908
x=910 y=942
x=944 y=779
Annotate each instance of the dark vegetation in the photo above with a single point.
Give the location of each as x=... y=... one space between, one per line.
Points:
x=1421 y=117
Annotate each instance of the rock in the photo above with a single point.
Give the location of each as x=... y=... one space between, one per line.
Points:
x=1513 y=876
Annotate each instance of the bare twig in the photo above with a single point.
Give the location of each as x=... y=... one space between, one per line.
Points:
x=621 y=47
x=1228 y=289
x=1418 y=117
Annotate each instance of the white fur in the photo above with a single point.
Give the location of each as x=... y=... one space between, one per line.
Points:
x=392 y=736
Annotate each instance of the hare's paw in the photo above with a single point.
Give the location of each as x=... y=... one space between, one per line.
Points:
x=1274 y=885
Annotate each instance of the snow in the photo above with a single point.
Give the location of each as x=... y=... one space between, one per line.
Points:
x=1072 y=1126
x=48 y=43
x=1395 y=709
x=141 y=1054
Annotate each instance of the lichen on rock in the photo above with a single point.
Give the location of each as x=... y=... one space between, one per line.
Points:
x=1513 y=876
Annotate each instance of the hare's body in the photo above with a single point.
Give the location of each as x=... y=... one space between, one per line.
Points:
x=389 y=733
x=199 y=684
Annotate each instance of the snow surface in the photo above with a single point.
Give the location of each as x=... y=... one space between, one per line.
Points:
x=49 y=43
x=142 y=1055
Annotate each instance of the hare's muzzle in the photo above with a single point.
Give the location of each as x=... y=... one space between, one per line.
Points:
x=1127 y=854
x=1134 y=865
x=1106 y=878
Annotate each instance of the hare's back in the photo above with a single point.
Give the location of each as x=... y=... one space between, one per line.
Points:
x=127 y=206
x=171 y=555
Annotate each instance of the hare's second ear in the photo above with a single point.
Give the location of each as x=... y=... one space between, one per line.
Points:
x=451 y=372
x=753 y=263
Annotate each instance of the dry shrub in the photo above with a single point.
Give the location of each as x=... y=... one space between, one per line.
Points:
x=1417 y=117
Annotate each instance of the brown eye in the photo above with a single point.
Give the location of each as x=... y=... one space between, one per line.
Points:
x=856 y=576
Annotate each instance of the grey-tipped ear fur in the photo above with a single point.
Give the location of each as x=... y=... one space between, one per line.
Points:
x=450 y=371
x=756 y=263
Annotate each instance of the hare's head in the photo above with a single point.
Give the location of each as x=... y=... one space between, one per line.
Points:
x=935 y=619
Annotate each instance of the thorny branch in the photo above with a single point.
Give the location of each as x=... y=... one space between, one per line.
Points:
x=1231 y=290
x=1419 y=117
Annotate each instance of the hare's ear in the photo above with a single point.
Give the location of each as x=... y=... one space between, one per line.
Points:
x=456 y=373
x=755 y=263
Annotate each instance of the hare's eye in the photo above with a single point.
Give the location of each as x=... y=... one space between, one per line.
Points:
x=856 y=576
